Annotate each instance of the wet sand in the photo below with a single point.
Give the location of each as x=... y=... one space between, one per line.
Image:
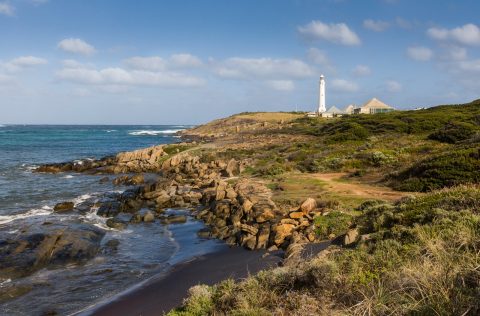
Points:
x=160 y=294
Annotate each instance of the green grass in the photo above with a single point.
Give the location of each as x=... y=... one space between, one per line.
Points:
x=421 y=257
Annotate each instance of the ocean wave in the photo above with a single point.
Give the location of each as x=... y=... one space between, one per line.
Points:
x=154 y=132
x=68 y=176
x=28 y=167
x=80 y=199
x=111 y=130
x=45 y=210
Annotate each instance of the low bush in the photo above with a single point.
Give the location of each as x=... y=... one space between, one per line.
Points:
x=454 y=132
x=335 y=223
x=455 y=167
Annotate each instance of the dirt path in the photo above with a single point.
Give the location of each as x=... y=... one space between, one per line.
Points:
x=334 y=183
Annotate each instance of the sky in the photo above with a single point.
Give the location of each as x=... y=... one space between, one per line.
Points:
x=190 y=61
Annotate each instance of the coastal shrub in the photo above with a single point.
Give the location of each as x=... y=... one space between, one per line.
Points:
x=454 y=132
x=404 y=122
x=455 y=167
x=270 y=170
x=335 y=223
x=378 y=159
x=174 y=148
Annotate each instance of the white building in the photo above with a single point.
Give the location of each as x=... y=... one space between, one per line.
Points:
x=321 y=96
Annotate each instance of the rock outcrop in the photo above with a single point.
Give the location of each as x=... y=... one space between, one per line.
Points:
x=52 y=244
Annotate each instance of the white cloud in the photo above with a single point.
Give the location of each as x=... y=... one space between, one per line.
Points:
x=468 y=34
x=420 y=53
x=377 y=26
x=361 y=70
x=28 y=61
x=338 y=33
x=281 y=85
x=76 y=46
x=153 y=63
x=342 y=85
x=402 y=23
x=393 y=86
x=22 y=62
x=7 y=9
x=115 y=77
x=157 y=63
x=264 y=68
x=185 y=61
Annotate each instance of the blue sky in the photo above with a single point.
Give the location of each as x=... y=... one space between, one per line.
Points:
x=162 y=62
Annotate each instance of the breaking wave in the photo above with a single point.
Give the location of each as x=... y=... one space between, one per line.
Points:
x=154 y=132
x=45 y=210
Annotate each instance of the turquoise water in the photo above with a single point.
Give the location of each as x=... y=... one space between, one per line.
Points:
x=27 y=200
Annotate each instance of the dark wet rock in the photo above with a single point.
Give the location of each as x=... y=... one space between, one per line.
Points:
x=112 y=245
x=13 y=291
x=104 y=180
x=204 y=233
x=64 y=207
x=84 y=207
x=56 y=244
x=174 y=219
x=116 y=223
x=109 y=208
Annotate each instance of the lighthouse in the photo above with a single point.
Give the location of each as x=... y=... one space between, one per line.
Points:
x=321 y=96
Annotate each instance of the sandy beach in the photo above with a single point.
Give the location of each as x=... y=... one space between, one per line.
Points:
x=160 y=294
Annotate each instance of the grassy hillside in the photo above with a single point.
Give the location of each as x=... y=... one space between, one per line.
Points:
x=418 y=255
x=407 y=150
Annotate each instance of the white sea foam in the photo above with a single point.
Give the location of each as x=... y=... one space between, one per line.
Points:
x=110 y=130
x=154 y=132
x=98 y=221
x=44 y=211
x=68 y=176
x=29 y=167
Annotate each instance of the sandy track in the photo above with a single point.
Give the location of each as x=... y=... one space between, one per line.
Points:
x=333 y=183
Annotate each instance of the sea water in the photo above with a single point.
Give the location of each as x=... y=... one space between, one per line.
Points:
x=27 y=199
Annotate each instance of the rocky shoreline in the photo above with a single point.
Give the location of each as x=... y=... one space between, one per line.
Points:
x=236 y=209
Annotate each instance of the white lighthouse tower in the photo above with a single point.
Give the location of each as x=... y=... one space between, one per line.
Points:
x=321 y=96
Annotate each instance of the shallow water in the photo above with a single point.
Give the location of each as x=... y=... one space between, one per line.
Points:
x=27 y=200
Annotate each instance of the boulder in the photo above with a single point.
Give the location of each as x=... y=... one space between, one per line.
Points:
x=247 y=205
x=231 y=169
x=23 y=254
x=282 y=232
x=116 y=223
x=308 y=205
x=63 y=207
x=351 y=237
x=263 y=237
x=231 y=194
x=265 y=215
x=296 y=215
x=249 y=229
x=175 y=219
x=149 y=217
x=204 y=233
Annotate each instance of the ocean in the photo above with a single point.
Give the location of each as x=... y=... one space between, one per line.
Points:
x=27 y=200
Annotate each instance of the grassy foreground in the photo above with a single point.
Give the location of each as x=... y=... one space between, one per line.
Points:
x=416 y=254
x=419 y=256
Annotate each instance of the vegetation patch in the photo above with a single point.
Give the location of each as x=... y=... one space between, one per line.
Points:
x=459 y=166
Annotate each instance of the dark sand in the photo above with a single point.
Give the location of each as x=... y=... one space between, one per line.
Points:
x=160 y=294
